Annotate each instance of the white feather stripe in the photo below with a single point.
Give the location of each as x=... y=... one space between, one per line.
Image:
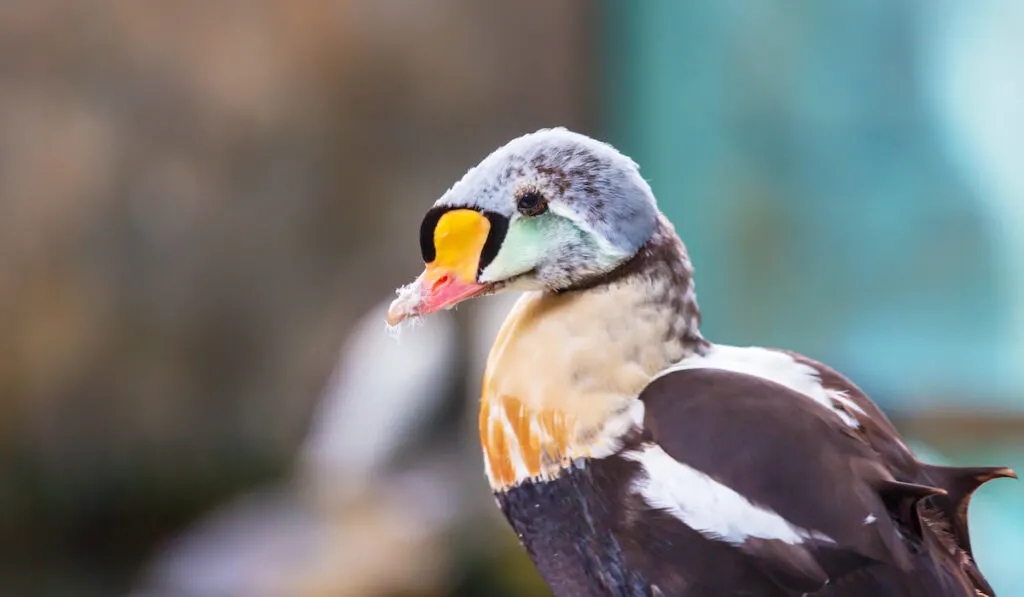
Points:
x=514 y=453
x=843 y=397
x=707 y=506
x=487 y=469
x=775 y=366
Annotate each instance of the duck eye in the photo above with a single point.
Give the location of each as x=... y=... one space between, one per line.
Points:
x=532 y=204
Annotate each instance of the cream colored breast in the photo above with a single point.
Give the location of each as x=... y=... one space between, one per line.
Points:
x=563 y=373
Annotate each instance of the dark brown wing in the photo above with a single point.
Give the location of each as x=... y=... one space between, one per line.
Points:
x=789 y=456
x=946 y=512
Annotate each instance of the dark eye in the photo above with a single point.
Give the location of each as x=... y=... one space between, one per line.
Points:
x=532 y=204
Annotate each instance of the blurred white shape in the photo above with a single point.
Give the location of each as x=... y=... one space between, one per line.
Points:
x=228 y=554
x=351 y=522
x=382 y=388
x=275 y=543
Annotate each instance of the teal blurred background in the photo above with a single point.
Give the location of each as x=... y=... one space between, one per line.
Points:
x=203 y=202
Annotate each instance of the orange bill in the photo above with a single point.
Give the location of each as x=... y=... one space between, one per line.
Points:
x=449 y=279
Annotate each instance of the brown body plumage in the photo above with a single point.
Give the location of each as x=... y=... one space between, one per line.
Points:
x=632 y=456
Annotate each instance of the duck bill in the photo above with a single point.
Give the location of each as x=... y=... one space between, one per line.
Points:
x=452 y=242
x=432 y=291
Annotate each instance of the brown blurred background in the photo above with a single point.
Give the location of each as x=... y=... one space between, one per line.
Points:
x=199 y=201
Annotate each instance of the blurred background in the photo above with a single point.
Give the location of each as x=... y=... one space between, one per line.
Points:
x=205 y=204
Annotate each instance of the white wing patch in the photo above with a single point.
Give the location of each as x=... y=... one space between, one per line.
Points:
x=844 y=398
x=772 y=365
x=707 y=506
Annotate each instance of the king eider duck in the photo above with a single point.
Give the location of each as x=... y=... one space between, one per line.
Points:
x=634 y=457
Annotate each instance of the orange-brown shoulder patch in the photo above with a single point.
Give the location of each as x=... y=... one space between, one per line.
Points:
x=520 y=444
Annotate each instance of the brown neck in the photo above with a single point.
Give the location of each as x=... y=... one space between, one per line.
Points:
x=664 y=263
x=566 y=367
